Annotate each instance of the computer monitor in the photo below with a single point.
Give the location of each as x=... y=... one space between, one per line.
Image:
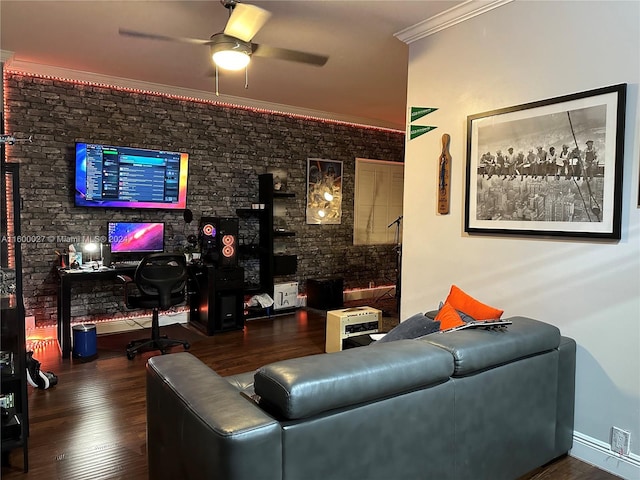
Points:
x=136 y=237
x=128 y=177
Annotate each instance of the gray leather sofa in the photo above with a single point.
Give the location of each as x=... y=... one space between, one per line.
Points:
x=473 y=404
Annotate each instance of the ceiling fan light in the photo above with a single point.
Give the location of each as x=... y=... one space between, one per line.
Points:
x=231 y=59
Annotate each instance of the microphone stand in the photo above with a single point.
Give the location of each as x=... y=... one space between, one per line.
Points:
x=398 y=249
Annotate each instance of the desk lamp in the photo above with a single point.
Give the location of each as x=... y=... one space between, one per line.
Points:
x=90 y=248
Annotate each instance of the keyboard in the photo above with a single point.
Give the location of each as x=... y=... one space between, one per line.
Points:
x=125 y=263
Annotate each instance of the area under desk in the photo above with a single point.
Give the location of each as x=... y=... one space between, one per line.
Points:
x=67 y=279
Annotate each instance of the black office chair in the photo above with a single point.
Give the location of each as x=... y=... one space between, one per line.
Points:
x=159 y=283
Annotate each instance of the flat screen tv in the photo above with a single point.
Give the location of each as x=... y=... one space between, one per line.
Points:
x=136 y=237
x=127 y=177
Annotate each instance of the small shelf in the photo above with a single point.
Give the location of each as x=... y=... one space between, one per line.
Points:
x=250 y=249
x=280 y=233
x=283 y=194
x=252 y=289
x=250 y=212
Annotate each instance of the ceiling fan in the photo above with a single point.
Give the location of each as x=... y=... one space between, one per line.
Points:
x=232 y=48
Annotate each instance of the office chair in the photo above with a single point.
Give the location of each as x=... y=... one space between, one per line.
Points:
x=159 y=283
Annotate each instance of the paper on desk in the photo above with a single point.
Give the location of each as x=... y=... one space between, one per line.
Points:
x=376 y=336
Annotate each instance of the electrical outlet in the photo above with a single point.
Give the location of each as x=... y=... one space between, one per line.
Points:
x=620 y=441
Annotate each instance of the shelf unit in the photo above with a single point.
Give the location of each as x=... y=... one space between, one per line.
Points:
x=15 y=408
x=271 y=265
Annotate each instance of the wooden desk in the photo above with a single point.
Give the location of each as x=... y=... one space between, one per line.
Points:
x=67 y=279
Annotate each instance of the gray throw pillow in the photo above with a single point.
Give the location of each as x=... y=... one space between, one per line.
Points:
x=413 y=327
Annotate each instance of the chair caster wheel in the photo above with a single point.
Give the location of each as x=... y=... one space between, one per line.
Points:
x=187 y=346
x=131 y=355
x=130 y=345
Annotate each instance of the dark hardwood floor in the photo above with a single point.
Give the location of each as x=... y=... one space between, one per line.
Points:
x=92 y=424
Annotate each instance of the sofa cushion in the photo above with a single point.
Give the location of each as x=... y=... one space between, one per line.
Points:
x=415 y=326
x=466 y=303
x=448 y=317
x=465 y=318
x=302 y=387
x=476 y=349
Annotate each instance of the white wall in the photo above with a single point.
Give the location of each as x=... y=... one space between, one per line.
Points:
x=522 y=52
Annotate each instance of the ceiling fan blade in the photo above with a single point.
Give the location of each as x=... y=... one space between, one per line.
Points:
x=260 y=50
x=245 y=21
x=155 y=36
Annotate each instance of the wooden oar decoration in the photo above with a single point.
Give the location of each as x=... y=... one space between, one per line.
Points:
x=444 y=176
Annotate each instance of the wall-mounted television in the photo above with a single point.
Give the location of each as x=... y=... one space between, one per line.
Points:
x=127 y=177
x=136 y=237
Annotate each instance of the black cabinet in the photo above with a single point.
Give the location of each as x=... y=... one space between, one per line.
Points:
x=216 y=298
x=271 y=264
x=14 y=420
x=274 y=264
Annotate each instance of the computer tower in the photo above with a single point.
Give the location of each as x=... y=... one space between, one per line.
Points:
x=218 y=238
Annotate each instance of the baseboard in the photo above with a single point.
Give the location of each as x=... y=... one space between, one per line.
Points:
x=599 y=454
x=138 y=323
x=365 y=293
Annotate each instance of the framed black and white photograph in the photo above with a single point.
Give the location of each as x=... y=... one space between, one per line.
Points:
x=551 y=167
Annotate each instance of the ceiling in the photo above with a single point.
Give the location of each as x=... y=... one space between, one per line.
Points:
x=364 y=79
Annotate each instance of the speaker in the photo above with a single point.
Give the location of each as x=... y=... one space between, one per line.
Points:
x=219 y=241
x=325 y=294
x=106 y=254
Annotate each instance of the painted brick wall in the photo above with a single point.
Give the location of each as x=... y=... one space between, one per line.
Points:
x=228 y=147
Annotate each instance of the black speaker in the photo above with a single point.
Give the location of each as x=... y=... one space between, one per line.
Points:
x=325 y=294
x=219 y=241
x=106 y=254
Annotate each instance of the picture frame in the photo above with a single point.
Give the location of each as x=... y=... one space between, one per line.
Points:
x=324 y=192
x=516 y=184
x=280 y=178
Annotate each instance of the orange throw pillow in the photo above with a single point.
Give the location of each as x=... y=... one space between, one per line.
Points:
x=472 y=307
x=448 y=317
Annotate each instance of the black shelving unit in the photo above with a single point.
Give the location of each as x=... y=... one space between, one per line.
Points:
x=15 y=407
x=271 y=265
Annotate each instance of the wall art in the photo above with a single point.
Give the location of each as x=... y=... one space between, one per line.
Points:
x=551 y=167
x=324 y=191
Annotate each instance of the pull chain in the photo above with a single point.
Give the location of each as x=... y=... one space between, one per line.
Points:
x=217 y=92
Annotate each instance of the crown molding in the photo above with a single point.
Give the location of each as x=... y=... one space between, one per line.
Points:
x=5 y=56
x=448 y=18
x=29 y=68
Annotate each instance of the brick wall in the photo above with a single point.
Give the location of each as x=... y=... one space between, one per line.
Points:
x=228 y=148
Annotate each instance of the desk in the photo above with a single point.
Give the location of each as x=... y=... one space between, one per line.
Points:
x=67 y=279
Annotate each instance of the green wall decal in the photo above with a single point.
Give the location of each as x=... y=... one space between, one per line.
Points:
x=417 y=130
x=419 y=112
